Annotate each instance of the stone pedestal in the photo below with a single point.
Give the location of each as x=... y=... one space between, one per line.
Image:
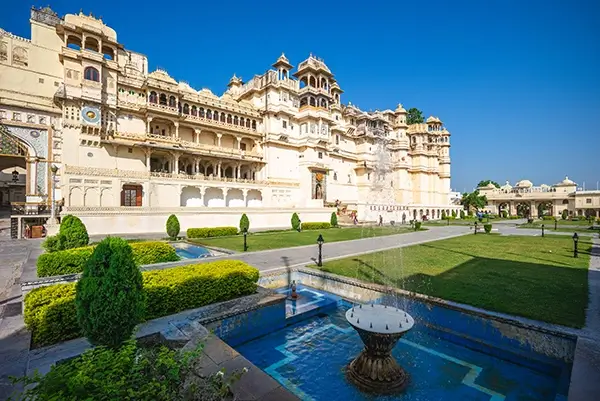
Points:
x=380 y=327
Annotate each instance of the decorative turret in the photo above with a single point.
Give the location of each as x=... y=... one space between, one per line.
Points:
x=316 y=82
x=283 y=67
x=400 y=116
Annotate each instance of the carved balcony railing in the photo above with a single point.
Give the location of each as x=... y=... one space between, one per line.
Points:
x=220 y=124
x=30 y=208
x=118 y=173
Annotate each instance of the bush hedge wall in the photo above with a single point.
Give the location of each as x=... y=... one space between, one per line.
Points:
x=315 y=225
x=73 y=260
x=206 y=232
x=50 y=312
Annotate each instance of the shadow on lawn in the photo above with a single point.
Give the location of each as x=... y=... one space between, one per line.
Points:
x=533 y=290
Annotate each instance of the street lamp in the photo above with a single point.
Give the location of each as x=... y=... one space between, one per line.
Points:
x=475 y=228
x=53 y=169
x=575 y=239
x=555 y=223
x=245 y=243
x=320 y=242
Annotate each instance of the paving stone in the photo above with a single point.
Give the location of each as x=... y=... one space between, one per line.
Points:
x=279 y=394
x=218 y=351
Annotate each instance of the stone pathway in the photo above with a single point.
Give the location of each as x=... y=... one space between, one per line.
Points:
x=585 y=376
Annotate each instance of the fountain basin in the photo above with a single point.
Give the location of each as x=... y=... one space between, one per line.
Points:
x=380 y=327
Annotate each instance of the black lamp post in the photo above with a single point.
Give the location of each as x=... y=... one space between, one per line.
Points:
x=320 y=242
x=475 y=228
x=555 y=223
x=575 y=239
x=542 y=230
x=54 y=170
x=245 y=235
x=447 y=221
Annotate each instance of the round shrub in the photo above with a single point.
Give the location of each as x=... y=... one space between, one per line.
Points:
x=454 y=213
x=487 y=228
x=417 y=225
x=173 y=227
x=54 y=243
x=333 y=221
x=564 y=214
x=109 y=297
x=295 y=221
x=74 y=233
x=244 y=223
x=443 y=215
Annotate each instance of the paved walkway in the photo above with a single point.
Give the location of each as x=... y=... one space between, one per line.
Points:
x=585 y=376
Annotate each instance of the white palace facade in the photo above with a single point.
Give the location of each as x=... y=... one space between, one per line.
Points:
x=132 y=146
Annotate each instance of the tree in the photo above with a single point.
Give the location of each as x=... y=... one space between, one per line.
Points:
x=473 y=200
x=462 y=214
x=244 y=223
x=415 y=116
x=486 y=182
x=109 y=297
x=173 y=227
x=333 y=219
x=295 y=221
x=73 y=233
x=454 y=214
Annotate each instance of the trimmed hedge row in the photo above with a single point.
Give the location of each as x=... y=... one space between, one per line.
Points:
x=315 y=225
x=206 y=232
x=50 y=312
x=73 y=260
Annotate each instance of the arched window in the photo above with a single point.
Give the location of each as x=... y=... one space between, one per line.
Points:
x=194 y=111
x=242 y=123
x=235 y=120
x=248 y=123
x=172 y=101
x=323 y=103
x=312 y=101
x=216 y=116
x=229 y=119
x=186 y=109
x=201 y=112
x=208 y=113
x=222 y=117
x=254 y=125
x=91 y=74
x=162 y=99
x=153 y=98
x=303 y=102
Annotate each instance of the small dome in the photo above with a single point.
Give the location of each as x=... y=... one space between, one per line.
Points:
x=162 y=75
x=235 y=80
x=490 y=185
x=400 y=109
x=506 y=187
x=566 y=183
x=186 y=87
x=283 y=58
x=524 y=184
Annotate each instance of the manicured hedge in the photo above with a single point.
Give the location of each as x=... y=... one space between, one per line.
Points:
x=72 y=260
x=206 y=232
x=487 y=228
x=315 y=226
x=51 y=316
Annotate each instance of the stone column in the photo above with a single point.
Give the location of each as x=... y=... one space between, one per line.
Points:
x=148 y=153
x=225 y=191
x=219 y=169
x=176 y=129
x=31 y=188
x=148 y=127
x=176 y=163
x=239 y=142
x=219 y=139
x=202 y=192
x=245 y=191
x=197 y=136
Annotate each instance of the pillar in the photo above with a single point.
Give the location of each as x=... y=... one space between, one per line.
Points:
x=197 y=136
x=148 y=153
x=219 y=139
x=245 y=192
x=239 y=142
x=219 y=168
x=225 y=191
x=238 y=170
x=148 y=127
x=176 y=129
x=31 y=188
x=175 y=163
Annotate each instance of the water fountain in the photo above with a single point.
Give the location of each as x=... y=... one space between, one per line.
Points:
x=380 y=327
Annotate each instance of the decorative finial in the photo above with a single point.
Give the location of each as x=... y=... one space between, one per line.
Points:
x=386 y=327
x=371 y=325
x=358 y=321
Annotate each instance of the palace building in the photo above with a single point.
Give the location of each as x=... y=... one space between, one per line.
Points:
x=122 y=147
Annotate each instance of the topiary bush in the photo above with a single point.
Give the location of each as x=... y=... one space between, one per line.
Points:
x=333 y=221
x=50 y=312
x=72 y=261
x=504 y=214
x=454 y=213
x=109 y=298
x=54 y=243
x=564 y=214
x=173 y=227
x=206 y=232
x=73 y=232
x=462 y=214
x=295 y=221
x=443 y=215
x=488 y=228
x=315 y=225
x=244 y=223
x=417 y=225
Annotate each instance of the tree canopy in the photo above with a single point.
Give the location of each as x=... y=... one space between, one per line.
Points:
x=486 y=182
x=473 y=200
x=415 y=116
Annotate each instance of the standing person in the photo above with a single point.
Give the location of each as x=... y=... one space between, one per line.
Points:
x=380 y=220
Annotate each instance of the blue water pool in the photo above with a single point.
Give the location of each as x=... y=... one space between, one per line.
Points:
x=189 y=251
x=309 y=358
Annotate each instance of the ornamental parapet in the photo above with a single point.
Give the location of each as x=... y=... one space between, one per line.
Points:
x=219 y=124
x=189 y=178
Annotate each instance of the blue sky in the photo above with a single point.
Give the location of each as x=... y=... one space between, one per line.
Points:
x=517 y=83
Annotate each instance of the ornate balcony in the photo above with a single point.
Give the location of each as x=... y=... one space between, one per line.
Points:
x=219 y=124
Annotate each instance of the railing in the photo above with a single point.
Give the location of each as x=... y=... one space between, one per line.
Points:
x=193 y=145
x=30 y=208
x=107 y=172
x=163 y=107
x=216 y=123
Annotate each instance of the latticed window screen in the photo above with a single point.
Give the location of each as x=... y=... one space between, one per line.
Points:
x=10 y=146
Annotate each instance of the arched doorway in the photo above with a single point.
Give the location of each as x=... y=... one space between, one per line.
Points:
x=13 y=172
x=523 y=210
x=545 y=209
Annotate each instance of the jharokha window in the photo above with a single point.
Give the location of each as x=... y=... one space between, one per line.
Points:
x=131 y=195
x=91 y=74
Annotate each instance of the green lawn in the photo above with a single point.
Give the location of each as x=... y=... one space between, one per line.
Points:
x=532 y=277
x=461 y=222
x=565 y=229
x=287 y=239
x=560 y=222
